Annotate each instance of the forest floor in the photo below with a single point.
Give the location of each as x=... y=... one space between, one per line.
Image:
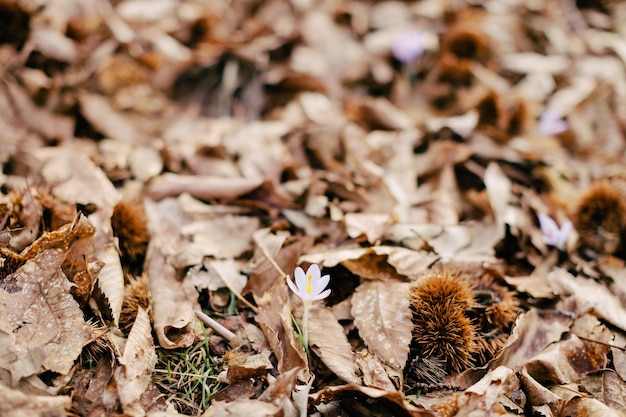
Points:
x=451 y=170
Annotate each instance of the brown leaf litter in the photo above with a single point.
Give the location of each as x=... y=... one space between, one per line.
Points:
x=168 y=161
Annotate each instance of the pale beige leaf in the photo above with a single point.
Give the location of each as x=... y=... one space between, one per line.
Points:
x=373 y=370
x=372 y=225
x=110 y=281
x=229 y=273
x=499 y=193
x=174 y=302
x=106 y=119
x=619 y=356
x=614 y=390
x=382 y=315
x=590 y=296
x=490 y=394
x=531 y=333
x=225 y=236
x=203 y=187
x=136 y=363
x=75 y=178
x=409 y=262
x=582 y=406
x=41 y=316
x=328 y=340
x=242 y=407
x=572 y=359
x=376 y=261
x=15 y=403
x=49 y=124
x=173 y=309
x=30 y=212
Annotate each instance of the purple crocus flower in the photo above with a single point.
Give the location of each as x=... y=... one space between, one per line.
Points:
x=553 y=235
x=551 y=123
x=408 y=46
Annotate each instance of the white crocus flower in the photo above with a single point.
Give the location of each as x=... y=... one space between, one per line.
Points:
x=309 y=286
x=552 y=234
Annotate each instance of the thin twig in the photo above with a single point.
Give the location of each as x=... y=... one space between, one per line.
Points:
x=239 y=296
x=271 y=260
x=601 y=343
x=221 y=330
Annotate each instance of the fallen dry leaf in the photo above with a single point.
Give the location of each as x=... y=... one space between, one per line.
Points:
x=44 y=323
x=382 y=315
x=136 y=365
x=274 y=318
x=173 y=307
x=330 y=343
x=374 y=139
x=208 y=187
x=489 y=394
x=15 y=403
x=532 y=332
x=110 y=283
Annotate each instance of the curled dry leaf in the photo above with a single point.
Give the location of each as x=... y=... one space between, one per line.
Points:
x=136 y=364
x=490 y=394
x=29 y=215
x=43 y=321
x=581 y=406
x=572 y=359
x=249 y=366
x=382 y=316
x=173 y=309
x=173 y=306
x=568 y=361
x=110 y=283
x=391 y=404
x=274 y=317
x=48 y=124
x=331 y=344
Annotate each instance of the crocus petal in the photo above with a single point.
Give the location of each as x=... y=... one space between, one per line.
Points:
x=301 y=280
x=320 y=284
x=551 y=123
x=321 y=296
x=564 y=233
x=548 y=226
x=293 y=286
x=314 y=271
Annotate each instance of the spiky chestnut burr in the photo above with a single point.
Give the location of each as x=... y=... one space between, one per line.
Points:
x=600 y=217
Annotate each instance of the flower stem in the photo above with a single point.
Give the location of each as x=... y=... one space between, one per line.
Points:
x=305 y=326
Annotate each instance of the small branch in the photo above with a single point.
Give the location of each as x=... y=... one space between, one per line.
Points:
x=218 y=328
